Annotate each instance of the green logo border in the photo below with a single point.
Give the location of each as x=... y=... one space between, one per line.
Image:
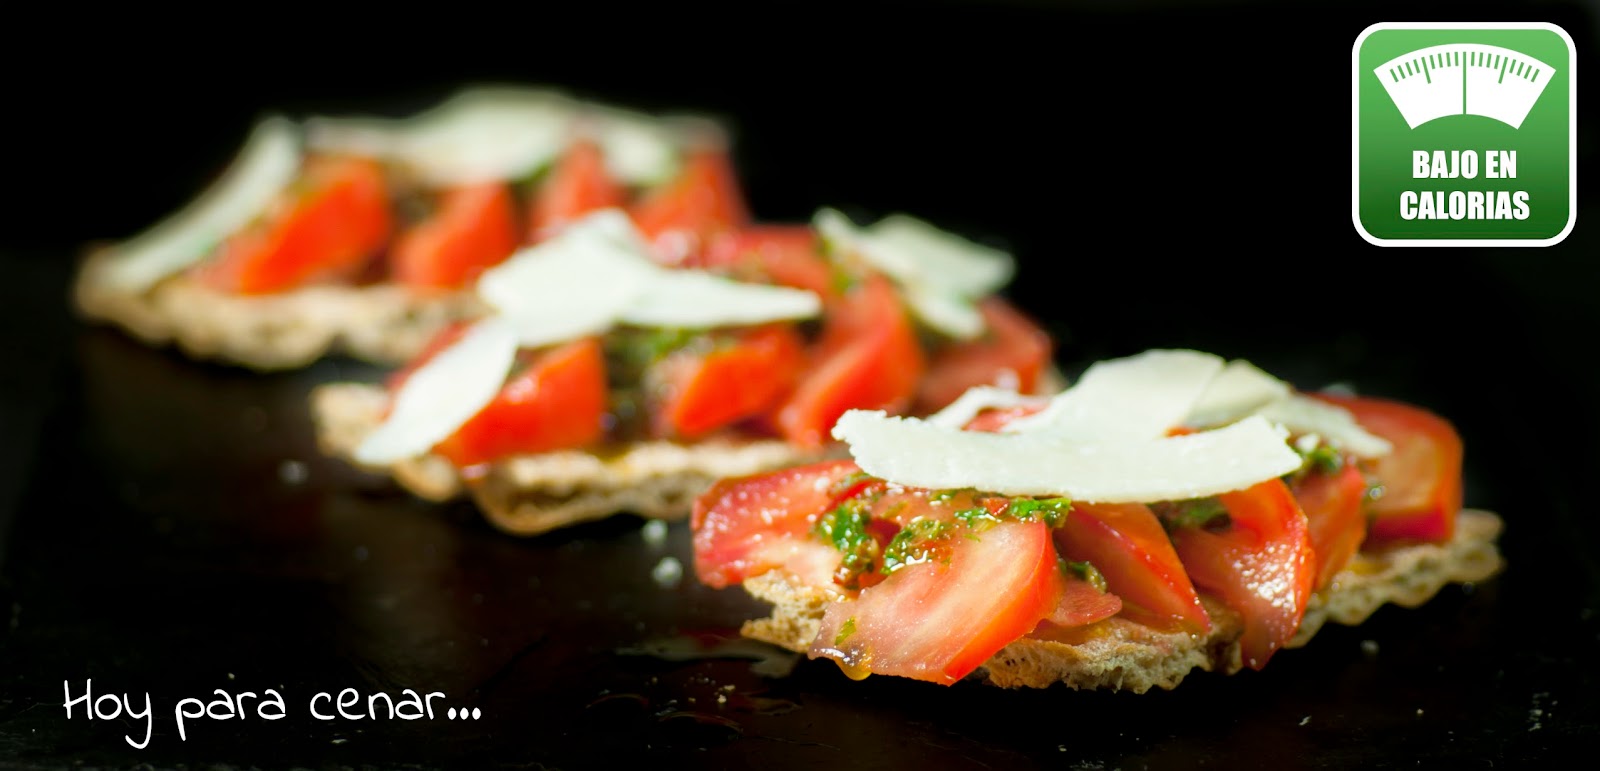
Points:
x=1355 y=133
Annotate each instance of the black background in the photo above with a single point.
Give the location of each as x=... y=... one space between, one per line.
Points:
x=1166 y=175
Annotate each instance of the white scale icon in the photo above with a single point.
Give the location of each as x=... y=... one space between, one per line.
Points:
x=1464 y=79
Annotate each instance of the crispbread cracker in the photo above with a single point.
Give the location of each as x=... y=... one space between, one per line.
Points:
x=381 y=323
x=532 y=494
x=1121 y=655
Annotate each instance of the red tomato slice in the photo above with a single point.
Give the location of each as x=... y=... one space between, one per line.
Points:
x=681 y=218
x=326 y=227
x=473 y=229
x=557 y=403
x=1332 y=503
x=1421 y=477
x=785 y=255
x=1082 y=604
x=1013 y=351
x=706 y=391
x=1127 y=544
x=868 y=358
x=578 y=184
x=938 y=621
x=1261 y=566
x=747 y=526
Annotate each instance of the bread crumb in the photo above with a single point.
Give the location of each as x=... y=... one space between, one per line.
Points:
x=1369 y=647
x=668 y=572
x=1305 y=720
x=292 y=472
x=654 y=532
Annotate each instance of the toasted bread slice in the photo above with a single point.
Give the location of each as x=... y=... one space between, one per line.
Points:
x=381 y=323
x=1121 y=655
x=532 y=494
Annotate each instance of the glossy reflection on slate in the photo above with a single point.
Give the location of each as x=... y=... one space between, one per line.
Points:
x=181 y=535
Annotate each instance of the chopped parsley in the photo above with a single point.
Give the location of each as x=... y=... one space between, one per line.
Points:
x=1052 y=511
x=919 y=541
x=1084 y=570
x=1322 y=457
x=849 y=628
x=977 y=519
x=1207 y=513
x=845 y=528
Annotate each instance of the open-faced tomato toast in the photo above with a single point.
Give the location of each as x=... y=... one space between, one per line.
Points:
x=366 y=235
x=1170 y=511
x=635 y=355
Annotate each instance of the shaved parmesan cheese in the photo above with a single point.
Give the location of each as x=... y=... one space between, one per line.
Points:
x=977 y=399
x=476 y=136
x=575 y=284
x=1238 y=390
x=942 y=274
x=595 y=274
x=265 y=166
x=638 y=148
x=443 y=394
x=943 y=259
x=497 y=133
x=949 y=313
x=694 y=299
x=1133 y=399
x=1304 y=415
x=915 y=453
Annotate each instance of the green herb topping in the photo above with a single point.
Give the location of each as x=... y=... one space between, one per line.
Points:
x=845 y=631
x=1208 y=513
x=1083 y=570
x=846 y=529
x=1052 y=511
x=919 y=541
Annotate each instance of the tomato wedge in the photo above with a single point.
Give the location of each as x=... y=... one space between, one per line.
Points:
x=473 y=229
x=1082 y=604
x=1014 y=352
x=1421 y=477
x=326 y=227
x=786 y=255
x=1332 y=503
x=706 y=391
x=558 y=402
x=1127 y=544
x=577 y=185
x=1261 y=566
x=868 y=358
x=681 y=218
x=747 y=526
x=939 y=620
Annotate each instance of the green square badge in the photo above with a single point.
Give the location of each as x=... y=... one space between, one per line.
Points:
x=1464 y=134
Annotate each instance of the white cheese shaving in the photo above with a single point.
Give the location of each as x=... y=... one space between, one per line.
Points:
x=443 y=394
x=915 y=453
x=575 y=284
x=1132 y=399
x=497 y=133
x=476 y=136
x=639 y=148
x=1240 y=389
x=942 y=273
x=264 y=167
x=694 y=299
x=1304 y=415
x=974 y=401
x=595 y=274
